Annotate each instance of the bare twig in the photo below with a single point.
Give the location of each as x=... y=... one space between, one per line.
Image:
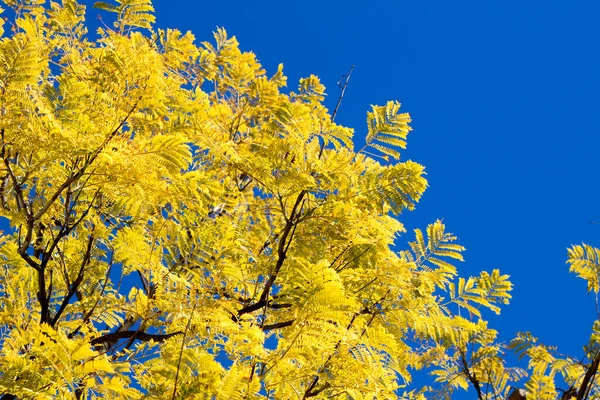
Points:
x=337 y=106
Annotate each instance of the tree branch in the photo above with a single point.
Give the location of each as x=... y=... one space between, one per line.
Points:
x=89 y=160
x=309 y=391
x=337 y=106
x=312 y=393
x=75 y=285
x=589 y=374
x=278 y=325
x=142 y=336
x=470 y=377
x=88 y=314
x=282 y=248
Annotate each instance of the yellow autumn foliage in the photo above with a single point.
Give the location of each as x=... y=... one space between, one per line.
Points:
x=181 y=226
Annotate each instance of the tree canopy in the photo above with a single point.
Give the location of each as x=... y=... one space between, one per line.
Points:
x=179 y=225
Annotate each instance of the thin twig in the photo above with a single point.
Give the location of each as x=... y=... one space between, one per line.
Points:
x=187 y=327
x=75 y=285
x=337 y=106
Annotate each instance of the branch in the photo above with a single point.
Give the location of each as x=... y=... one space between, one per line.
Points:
x=88 y=314
x=22 y=250
x=278 y=325
x=89 y=160
x=471 y=377
x=187 y=327
x=337 y=106
x=279 y=305
x=340 y=255
x=142 y=336
x=75 y=285
x=65 y=230
x=282 y=249
x=21 y=203
x=589 y=374
x=311 y=393
x=41 y=296
x=354 y=259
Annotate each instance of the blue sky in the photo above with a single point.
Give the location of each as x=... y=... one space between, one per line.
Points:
x=504 y=98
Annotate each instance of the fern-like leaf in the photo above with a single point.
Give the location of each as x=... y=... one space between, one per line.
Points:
x=388 y=127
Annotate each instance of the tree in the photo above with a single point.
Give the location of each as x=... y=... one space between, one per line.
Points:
x=480 y=360
x=181 y=227
x=547 y=365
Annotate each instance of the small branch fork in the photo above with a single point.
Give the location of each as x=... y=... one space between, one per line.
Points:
x=187 y=328
x=471 y=377
x=285 y=241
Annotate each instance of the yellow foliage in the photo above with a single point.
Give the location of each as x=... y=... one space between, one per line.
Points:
x=181 y=227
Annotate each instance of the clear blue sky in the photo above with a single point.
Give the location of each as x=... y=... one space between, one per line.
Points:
x=504 y=97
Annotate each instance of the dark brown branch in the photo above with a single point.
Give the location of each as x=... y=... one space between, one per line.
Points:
x=312 y=393
x=589 y=374
x=76 y=283
x=23 y=246
x=41 y=296
x=3 y=187
x=366 y=284
x=340 y=255
x=309 y=391
x=142 y=336
x=277 y=325
x=279 y=305
x=65 y=230
x=517 y=394
x=21 y=203
x=44 y=294
x=284 y=244
x=88 y=314
x=39 y=240
x=59 y=191
x=268 y=243
x=568 y=394
x=470 y=376
x=337 y=106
